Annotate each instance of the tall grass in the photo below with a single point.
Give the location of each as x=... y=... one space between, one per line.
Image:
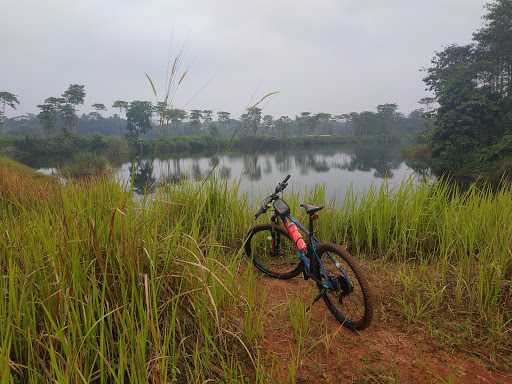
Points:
x=98 y=286
x=460 y=241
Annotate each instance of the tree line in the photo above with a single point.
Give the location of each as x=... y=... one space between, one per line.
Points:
x=137 y=118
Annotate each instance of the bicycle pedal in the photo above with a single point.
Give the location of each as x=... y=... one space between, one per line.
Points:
x=318 y=297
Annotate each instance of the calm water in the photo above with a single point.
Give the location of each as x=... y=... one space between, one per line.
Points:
x=258 y=173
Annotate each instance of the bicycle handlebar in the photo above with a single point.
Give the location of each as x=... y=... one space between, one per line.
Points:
x=282 y=185
x=269 y=199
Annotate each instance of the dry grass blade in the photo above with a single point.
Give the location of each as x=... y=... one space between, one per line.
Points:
x=152 y=84
x=264 y=97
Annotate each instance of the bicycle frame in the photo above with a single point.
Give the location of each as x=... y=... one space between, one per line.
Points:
x=313 y=243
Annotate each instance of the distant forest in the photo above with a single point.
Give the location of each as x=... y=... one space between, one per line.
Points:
x=145 y=119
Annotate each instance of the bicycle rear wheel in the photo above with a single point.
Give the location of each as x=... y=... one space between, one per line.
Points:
x=350 y=300
x=273 y=252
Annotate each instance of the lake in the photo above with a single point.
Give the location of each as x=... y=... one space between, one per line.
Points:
x=338 y=169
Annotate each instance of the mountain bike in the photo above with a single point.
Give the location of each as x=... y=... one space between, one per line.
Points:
x=280 y=251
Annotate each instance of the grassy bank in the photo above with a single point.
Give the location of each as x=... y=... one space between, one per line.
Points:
x=97 y=286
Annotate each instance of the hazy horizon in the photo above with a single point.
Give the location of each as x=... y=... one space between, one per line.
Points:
x=336 y=57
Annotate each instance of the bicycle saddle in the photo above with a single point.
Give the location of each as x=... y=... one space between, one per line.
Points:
x=311 y=209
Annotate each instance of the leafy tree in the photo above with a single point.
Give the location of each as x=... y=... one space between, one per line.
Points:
x=207 y=122
x=138 y=118
x=304 y=122
x=428 y=103
x=69 y=119
x=472 y=85
x=388 y=110
x=493 y=48
x=195 y=117
x=92 y=116
x=121 y=105
x=223 y=116
x=223 y=121
x=62 y=110
x=388 y=117
x=75 y=94
x=49 y=114
x=7 y=99
x=283 y=125
x=321 y=121
x=178 y=115
x=48 y=117
x=207 y=116
x=268 y=123
x=99 y=107
x=252 y=119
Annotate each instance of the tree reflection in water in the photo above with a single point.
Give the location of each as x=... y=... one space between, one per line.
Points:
x=175 y=172
x=141 y=176
x=251 y=169
x=283 y=161
x=197 y=174
x=308 y=162
x=172 y=173
x=268 y=166
x=378 y=160
x=381 y=158
x=225 y=172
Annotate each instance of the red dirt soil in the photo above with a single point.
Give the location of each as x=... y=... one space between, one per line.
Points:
x=387 y=352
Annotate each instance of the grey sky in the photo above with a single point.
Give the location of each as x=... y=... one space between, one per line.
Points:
x=332 y=56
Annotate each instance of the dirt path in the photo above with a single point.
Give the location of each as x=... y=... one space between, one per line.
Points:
x=387 y=352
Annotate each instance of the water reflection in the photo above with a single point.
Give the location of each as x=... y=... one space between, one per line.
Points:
x=225 y=172
x=251 y=168
x=197 y=173
x=141 y=176
x=268 y=167
x=283 y=161
x=339 y=169
x=382 y=159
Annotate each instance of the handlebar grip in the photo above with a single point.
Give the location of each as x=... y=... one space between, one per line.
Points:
x=287 y=178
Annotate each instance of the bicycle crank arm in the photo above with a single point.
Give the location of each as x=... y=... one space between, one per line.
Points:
x=317 y=297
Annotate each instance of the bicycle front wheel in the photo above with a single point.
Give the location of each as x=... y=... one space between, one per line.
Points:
x=273 y=252
x=349 y=299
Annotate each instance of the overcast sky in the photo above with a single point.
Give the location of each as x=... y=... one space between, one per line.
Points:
x=332 y=56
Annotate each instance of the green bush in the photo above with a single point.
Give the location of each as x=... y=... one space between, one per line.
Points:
x=85 y=165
